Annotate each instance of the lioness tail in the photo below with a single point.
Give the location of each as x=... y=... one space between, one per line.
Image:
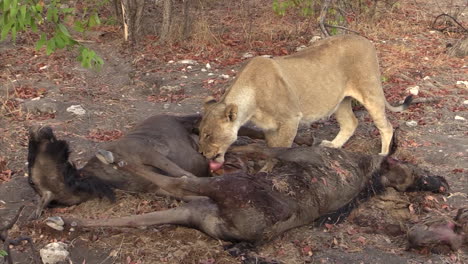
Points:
x=401 y=107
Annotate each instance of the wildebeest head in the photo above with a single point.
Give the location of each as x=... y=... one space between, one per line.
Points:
x=408 y=177
x=53 y=177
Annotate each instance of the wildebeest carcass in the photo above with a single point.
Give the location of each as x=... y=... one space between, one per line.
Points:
x=162 y=143
x=306 y=183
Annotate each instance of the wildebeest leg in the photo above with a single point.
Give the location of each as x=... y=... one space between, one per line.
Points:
x=348 y=123
x=177 y=187
x=199 y=213
x=151 y=158
x=46 y=198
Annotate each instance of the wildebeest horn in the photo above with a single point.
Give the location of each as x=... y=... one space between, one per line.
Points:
x=105 y=156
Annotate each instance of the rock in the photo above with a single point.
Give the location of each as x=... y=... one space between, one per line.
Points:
x=267 y=56
x=40 y=105
x=203 y=70
x=426 y=78
x=54 y=252
x=166 y=106
x=208 y=66
x=247 y=55
x=411 y=123
x=76 y=109
x=171 y=61
x=465 y=102
x=55 y=222
x=462 y=84
x=461 y=118
x=301 y=47
x=168 y=89
x=414 y=90
x=224 y=76
x=314 y=39
x=192 y=62
x=210 y=74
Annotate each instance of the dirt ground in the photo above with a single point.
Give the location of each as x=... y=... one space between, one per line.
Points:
x=133 y=85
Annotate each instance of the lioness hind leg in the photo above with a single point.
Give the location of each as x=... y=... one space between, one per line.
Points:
x=376 y=109
x=348 y=123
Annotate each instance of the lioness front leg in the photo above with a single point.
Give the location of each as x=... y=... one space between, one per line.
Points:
x=282 y=137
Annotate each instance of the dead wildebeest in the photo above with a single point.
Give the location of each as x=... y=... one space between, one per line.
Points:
x=306 y=183
x=162 y=143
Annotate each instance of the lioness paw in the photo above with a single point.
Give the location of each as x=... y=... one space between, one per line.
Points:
x=328 y=144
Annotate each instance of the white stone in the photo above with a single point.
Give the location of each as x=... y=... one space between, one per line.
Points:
x=203 y=70
x=76 y=109
x=301 y=47
x=463 y=82
x=184 y=77
x=426 y=78
x=267 y=56
x=432 y=31
x=314 y=38
x=465 y=102
x=411 y=123
x=460 y=118
x=208 y=66
x=189 y=67
x=210 y=74
x=247 y=55
x=192 y=62
x=171 y=61
x=166 y=106
x=54 y=252
x=211 y=81
x=414 y=90
x=224 y=76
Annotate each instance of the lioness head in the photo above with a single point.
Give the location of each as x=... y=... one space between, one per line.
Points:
x=218 y=130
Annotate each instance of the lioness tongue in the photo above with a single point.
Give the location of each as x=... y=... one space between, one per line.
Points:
x=214 y=165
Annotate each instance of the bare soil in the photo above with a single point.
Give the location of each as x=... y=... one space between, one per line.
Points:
x=127 y=90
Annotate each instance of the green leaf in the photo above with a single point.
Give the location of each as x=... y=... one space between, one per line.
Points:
x=59 y=43
x=13 y=12
x=63 y=29
x=23 y=12
x=41 y=42
x=5 y=30
x=79 y=26
x=3 y=253
x=13 y=32
x=50 y=47
x=6 y=5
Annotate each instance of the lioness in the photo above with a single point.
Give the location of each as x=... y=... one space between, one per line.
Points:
x=277 y=94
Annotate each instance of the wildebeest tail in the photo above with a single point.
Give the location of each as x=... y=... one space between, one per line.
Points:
x=59 y=151
x=401 y=107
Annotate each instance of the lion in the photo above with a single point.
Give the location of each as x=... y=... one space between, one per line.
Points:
x=277 y=94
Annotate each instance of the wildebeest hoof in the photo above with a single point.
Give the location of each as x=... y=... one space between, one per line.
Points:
x=105 y=156
x=55 y=222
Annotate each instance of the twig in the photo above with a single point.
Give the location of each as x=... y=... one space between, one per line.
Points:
x=323 y=14
x=7 y=242
x=451 y=17
x=340 y=27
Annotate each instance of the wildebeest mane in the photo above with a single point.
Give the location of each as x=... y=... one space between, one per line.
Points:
x=372 y=188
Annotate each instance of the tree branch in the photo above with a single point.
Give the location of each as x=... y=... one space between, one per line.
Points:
x=323 y=14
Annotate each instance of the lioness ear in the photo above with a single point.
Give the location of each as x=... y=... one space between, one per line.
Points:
x=231 y=112
x=210 y=100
